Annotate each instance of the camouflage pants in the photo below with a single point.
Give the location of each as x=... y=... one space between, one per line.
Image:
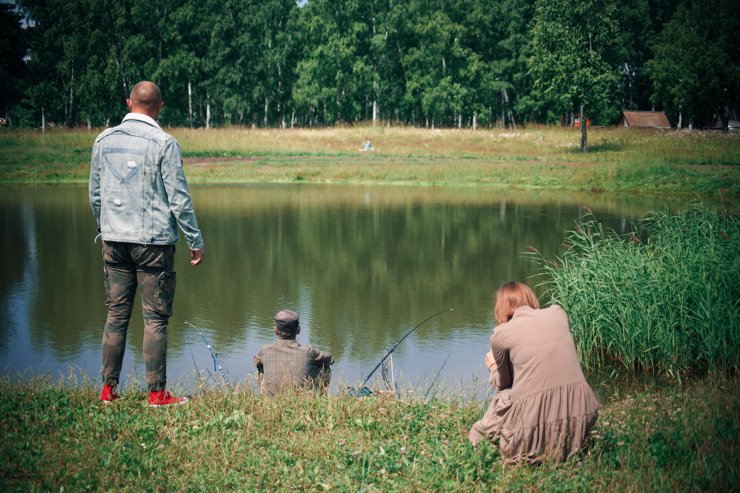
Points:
x=126 y=266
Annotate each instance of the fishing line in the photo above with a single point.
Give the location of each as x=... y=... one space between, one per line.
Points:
x=197 y=371
x=434 y=382
x=216 y=365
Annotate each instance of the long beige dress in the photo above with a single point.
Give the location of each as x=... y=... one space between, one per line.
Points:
x=544 y=407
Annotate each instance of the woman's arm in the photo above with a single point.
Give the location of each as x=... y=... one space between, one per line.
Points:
x=492 y=370
x=503 y=365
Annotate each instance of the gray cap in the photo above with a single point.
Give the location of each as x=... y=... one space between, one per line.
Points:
x=287 y=321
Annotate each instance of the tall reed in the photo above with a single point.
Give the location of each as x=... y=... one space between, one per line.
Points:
x=663 y=298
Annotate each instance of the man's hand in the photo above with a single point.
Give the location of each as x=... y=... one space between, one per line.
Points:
x=196 y=256
x=490 y=361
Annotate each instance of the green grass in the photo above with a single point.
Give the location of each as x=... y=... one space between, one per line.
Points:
x=621 y=160
x=662 y=298
x=56 y=436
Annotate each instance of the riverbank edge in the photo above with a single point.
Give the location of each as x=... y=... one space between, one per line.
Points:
x=700 y=182
x=58 y=436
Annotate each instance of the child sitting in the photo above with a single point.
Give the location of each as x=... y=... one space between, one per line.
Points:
x=286 y=363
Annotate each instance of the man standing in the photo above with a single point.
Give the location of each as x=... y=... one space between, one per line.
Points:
x=139 y=197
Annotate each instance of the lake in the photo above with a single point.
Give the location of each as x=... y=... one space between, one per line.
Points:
x=362 y=266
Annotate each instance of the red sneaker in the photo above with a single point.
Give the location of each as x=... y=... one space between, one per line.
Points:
x=164 y=398
x=108 y=394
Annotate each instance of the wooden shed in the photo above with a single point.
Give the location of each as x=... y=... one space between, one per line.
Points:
x=644 y=119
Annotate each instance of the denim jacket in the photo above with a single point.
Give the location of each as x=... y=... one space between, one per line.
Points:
x=138 y=191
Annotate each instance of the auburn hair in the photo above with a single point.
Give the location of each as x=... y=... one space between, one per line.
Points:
x=511 y=296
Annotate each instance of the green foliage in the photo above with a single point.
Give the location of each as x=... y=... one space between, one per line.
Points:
x=12 y=51
x=695 y=70
x=573 y=54
x=280 y=63
x=662 y=298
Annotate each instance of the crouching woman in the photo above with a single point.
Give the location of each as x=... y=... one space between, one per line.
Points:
x=544 y=409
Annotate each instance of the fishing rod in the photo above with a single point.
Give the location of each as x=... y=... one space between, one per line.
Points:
x=216 y=365
x=388 y=352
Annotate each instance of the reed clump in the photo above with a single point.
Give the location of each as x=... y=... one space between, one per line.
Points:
x=662 y=298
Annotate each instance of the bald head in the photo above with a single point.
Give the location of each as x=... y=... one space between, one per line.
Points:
x=145 y=98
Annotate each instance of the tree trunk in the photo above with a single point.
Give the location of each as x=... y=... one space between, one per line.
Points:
x=208 y=114
x=584 y=134
x=375 y=111
x=190 y=103
x=70 y=117
x=43 y=119
x=475 y=120
x=508 y=108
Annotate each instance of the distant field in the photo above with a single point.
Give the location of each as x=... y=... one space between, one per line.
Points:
x=620 y=160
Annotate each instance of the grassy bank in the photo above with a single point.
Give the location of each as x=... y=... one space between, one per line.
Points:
x=621 y=160
x=648 y=437
x=662 y=298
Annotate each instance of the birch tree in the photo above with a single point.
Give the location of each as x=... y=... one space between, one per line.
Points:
x=572 y=64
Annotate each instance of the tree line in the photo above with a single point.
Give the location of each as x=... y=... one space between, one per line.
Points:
x=431 y=63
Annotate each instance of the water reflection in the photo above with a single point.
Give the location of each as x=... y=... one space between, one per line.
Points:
x=362 y=265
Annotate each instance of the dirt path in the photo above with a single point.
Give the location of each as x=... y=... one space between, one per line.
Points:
x=212 y=160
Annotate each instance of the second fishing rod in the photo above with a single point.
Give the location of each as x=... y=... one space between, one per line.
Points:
x=362 y=389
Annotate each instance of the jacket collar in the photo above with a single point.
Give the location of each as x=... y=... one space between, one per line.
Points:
x=522 y=310
x=286 y=342
x=142 y=118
